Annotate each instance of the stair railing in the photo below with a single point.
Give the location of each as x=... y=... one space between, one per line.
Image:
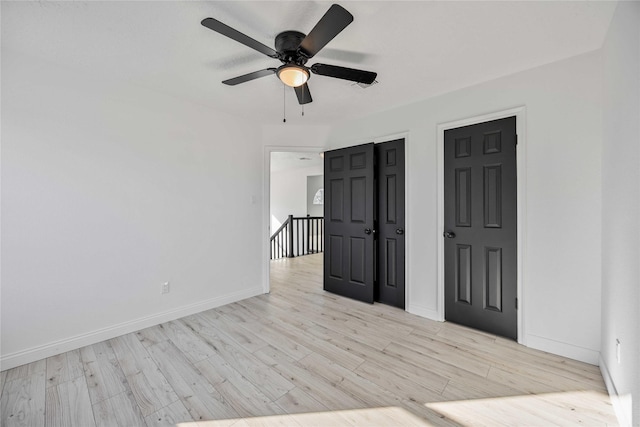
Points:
x=298 y=236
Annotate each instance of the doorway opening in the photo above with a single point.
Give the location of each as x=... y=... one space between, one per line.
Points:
x=290 y=212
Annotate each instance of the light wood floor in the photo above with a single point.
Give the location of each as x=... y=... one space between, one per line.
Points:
x=303 y=357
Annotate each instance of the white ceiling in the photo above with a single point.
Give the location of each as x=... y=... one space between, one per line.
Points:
x=419 y=49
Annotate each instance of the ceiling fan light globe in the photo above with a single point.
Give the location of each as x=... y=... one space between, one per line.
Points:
x=293 y=75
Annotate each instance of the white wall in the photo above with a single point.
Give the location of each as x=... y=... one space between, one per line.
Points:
x=563 y=207
x=621 y=211
x=289 y=193
x=108 y=190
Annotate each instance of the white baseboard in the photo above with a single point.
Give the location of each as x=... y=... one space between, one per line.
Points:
x=12 y=360
x=563 y=349
x=424 y=312
x=621 y=405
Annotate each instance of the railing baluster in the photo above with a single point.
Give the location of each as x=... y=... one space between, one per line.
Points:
x=309 y=236
x=315 y=236
x=300 y=243
x=304 y=236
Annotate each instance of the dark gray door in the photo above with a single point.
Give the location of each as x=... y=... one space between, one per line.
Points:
x=390 y=223
x=480 y=226
x=349 y=221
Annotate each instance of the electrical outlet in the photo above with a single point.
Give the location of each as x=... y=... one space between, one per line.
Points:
x=165 y=288
x=618 y=351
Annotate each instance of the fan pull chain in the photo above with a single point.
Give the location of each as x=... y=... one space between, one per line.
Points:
x=302 y=110
x=284 y=106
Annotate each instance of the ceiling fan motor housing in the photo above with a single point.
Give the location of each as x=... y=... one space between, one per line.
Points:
x=287 y=43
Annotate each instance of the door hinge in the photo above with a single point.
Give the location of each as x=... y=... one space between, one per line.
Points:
x=516 y=139
x=516 y=303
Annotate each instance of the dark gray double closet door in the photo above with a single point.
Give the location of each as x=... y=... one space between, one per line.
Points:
x=364 y=222
x=481 y=226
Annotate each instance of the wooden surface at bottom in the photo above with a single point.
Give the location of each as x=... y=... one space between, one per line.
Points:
x=300 y=356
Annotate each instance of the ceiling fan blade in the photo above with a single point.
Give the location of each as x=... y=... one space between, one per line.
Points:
x=335 y=20
x=303 y=94
x=344 y=73
x=251 y=76
x=236 y=35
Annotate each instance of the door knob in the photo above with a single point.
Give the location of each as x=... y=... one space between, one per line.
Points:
x=367 y=231
x=449 y=234
x=399 y=231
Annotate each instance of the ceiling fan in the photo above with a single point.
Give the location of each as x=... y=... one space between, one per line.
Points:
x=294 y=49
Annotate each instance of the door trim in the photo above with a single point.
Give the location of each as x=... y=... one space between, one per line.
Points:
x=266 y=203
x=520 y=113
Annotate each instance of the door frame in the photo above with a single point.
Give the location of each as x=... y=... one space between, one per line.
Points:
x=266 y=202
x=520 y=114
x=266 y=198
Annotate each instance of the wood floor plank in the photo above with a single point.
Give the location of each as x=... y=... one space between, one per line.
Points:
x=314 y=385
x=268 y=421
x=418 y=358
x=430 y=416
x=299 y=335
x=238 y=312
x=387 y=378
x=401 y=369
x=519 y=381
x=354 y=328
x=23 y=400
x=274 y=338
x=267 y=380
x=118 y=411
x=103 y=374
x=68 y=405
x=150 y=388
x=78 y=401
x=357 y=317
x=55 y=415
x=170 y=416
x=64 y=367
x=461 y=390
x=350 y=382
x=447 y=353
x=27 y=370
x=415 y=363
x=246 y=397
x=3 y=379
x=152 y=335
x=74 y=364
x=297 y=401
x=197 y=394
x=233 y=330
x=187 y=340
x=57 y=370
